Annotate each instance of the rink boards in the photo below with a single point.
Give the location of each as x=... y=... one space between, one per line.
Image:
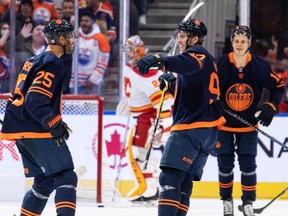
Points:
x=272 y=166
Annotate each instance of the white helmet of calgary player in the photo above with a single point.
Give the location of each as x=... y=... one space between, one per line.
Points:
x=134 y=49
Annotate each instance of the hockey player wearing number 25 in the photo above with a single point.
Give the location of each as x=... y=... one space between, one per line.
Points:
x=33 y=119
x=196 y=118
x=242 y=76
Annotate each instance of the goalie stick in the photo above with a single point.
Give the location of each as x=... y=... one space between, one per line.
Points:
x=122 y=154
x=260 y=210
x=255 y=128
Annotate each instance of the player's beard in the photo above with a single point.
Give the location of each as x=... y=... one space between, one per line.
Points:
x=69 y=49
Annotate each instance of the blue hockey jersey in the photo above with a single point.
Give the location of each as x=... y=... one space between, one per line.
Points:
x=241 y=89
x=196 y=89
x=37 y=93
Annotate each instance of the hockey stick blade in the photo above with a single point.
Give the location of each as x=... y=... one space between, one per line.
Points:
x=80 y=171
x=260 y=210
x=193 y=10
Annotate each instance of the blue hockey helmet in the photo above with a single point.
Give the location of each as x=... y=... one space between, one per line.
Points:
x=242 y=30
x=193 y=27
x=56 y=28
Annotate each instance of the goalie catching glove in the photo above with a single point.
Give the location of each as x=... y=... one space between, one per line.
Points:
x=146 y=62
x=58 y=128
x=266 y=113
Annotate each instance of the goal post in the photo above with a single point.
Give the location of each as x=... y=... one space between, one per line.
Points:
x=94 y=105
x=84 y=115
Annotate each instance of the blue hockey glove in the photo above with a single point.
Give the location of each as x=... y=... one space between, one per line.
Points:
x=266 y=113
x=146 y=62
x=165 y=79
x=58 y=129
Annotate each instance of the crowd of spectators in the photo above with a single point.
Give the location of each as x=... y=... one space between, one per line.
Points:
x=97 y=37
x=278 y=60
x=32 y=15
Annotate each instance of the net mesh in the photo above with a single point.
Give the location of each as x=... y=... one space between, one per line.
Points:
x=83 y=114
x=79 y=107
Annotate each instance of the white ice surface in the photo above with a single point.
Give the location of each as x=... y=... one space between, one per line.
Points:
x=198 y=207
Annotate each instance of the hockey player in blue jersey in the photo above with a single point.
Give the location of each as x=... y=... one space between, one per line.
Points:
x=242 y=76
x=33 y=119
x=195 y=117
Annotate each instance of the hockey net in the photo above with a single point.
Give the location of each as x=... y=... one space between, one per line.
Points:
x=84 y=115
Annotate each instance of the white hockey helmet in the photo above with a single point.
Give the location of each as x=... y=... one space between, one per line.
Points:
x=134 y=48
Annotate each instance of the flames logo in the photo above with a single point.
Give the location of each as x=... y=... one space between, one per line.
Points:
x=239 y=97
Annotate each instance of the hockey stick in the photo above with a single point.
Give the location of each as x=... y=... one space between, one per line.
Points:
x=122 y=153
x=260 y=210
x=152 y=138
x=255 y=128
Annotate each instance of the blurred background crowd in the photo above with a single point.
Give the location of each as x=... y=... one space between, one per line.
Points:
x=98 y=44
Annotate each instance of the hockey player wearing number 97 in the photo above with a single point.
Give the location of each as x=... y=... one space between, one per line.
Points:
x=196 y=118
x=242 y=76
x=33 y=119
x=142 y=96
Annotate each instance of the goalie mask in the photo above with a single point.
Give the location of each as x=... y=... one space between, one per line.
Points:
x=56 y=28
x=193 y=27
x=242 y=30
x=134 y=49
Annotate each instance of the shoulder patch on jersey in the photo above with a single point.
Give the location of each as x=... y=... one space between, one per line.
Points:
x=27 y=66
x=199 y=57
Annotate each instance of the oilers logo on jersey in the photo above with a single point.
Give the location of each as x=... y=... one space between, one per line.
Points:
x=85 y=56
x=42 y=15
x=239 y=96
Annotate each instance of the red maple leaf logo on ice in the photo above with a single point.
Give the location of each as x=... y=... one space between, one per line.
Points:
x=113 y=147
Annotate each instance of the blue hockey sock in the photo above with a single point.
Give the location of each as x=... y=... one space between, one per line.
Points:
x=33 y=203
x=169 y=202
x=65 y=201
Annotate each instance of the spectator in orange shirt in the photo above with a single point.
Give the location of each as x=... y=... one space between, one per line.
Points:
x=4 y=5
x=43 y=11
x=103 y=16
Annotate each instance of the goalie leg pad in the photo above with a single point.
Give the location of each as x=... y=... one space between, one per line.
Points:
x=140 y=184
x=152 y=172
